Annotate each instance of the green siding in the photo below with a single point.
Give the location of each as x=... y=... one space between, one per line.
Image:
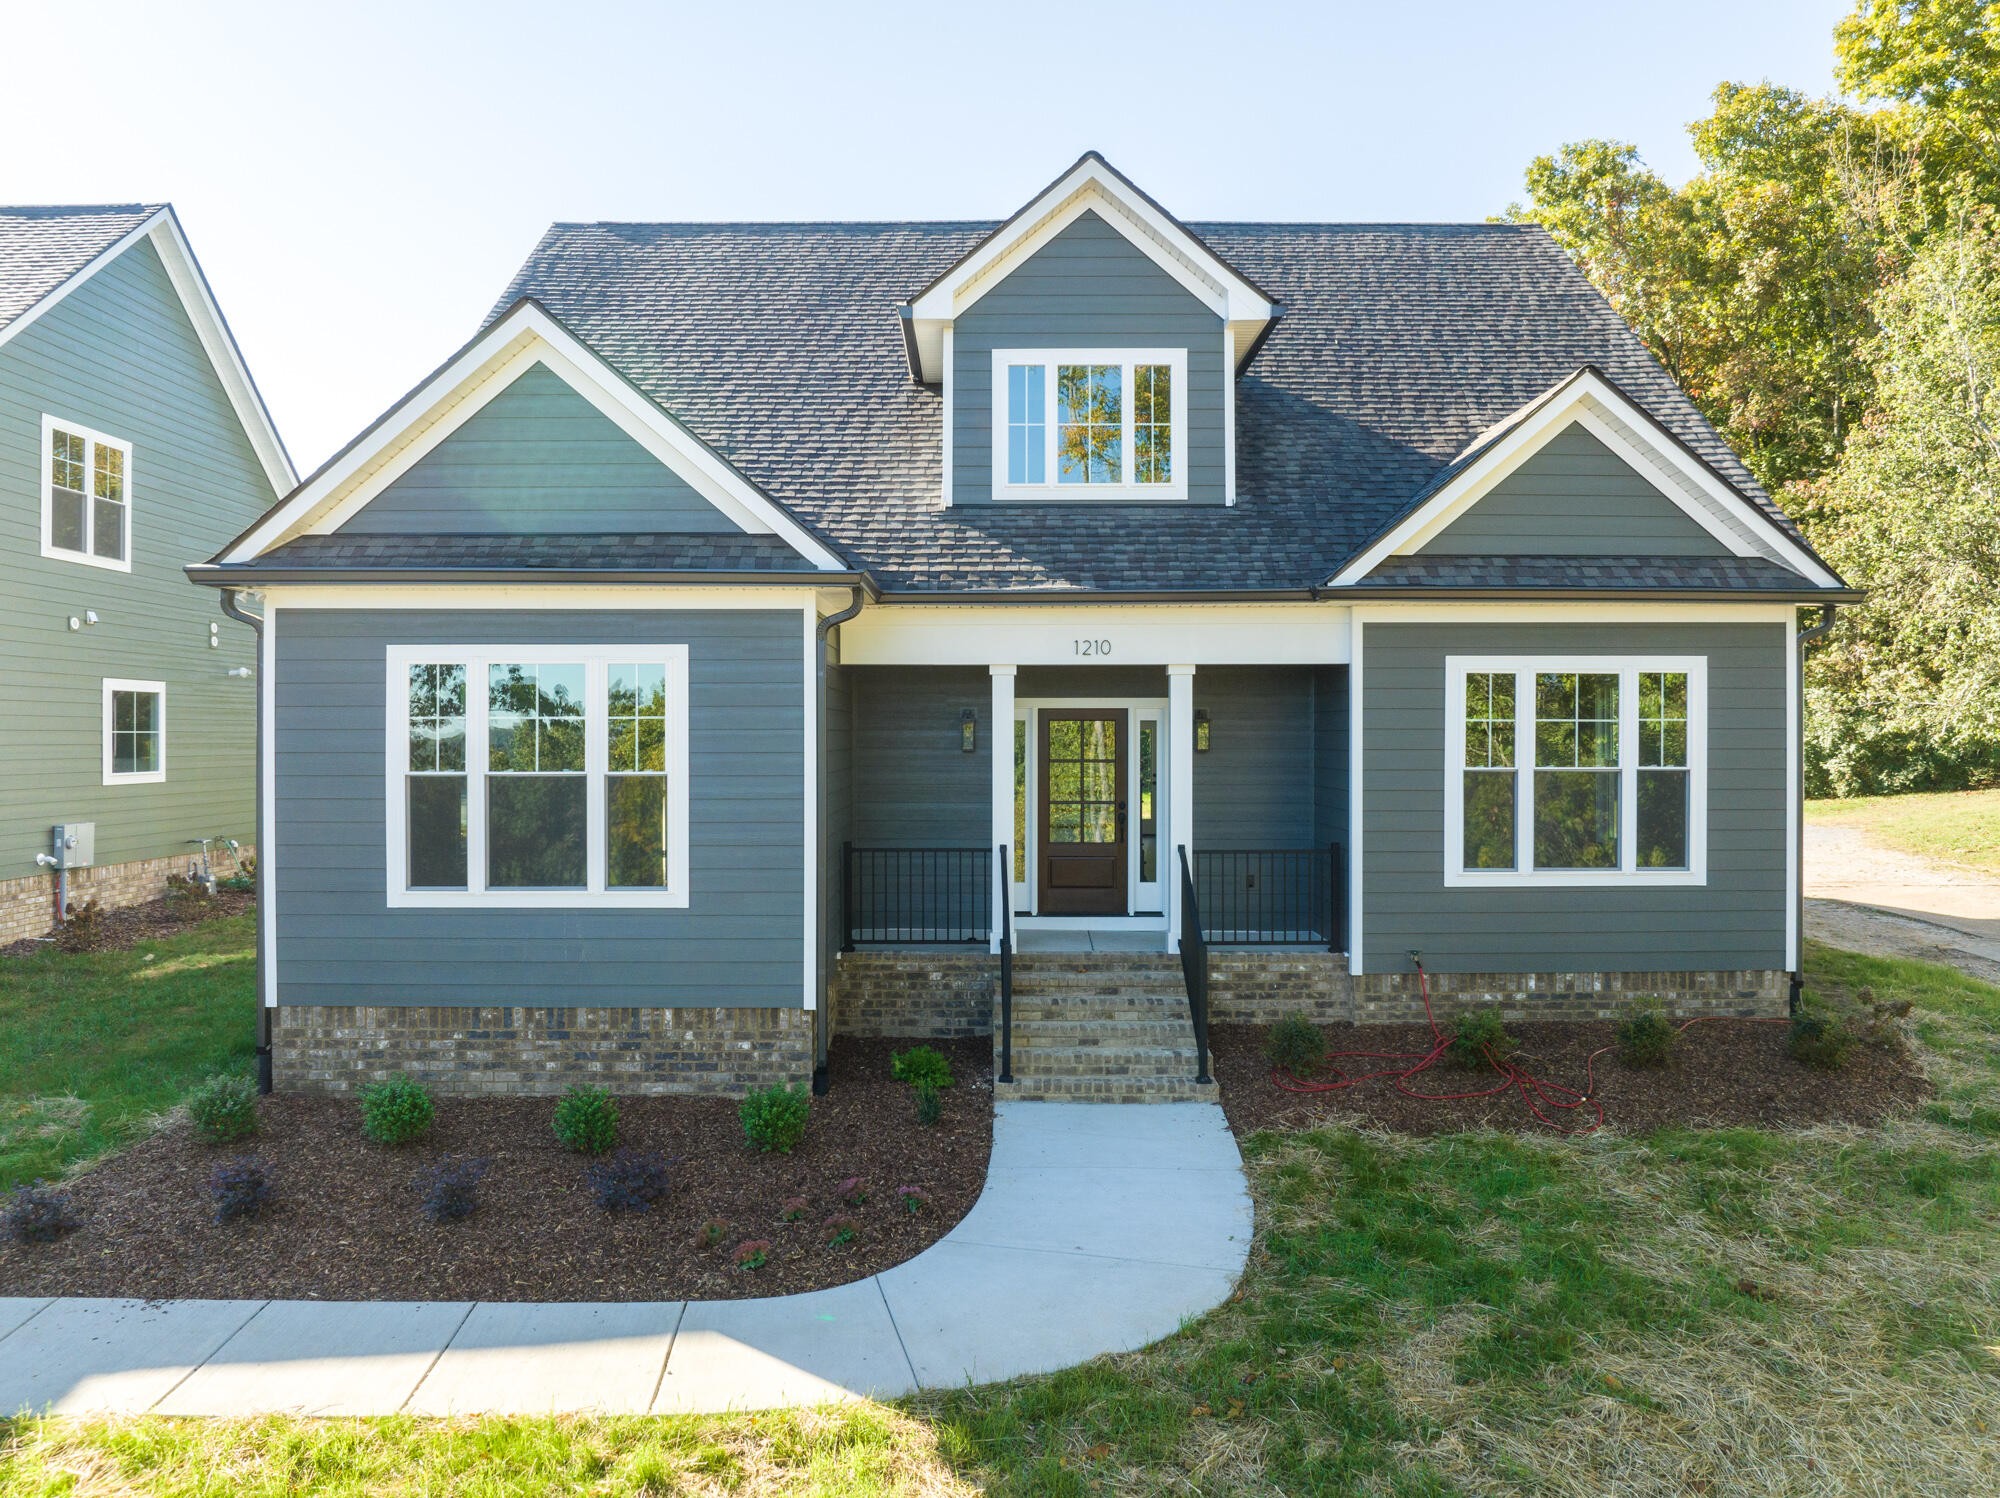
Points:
x=1575 y=497
x=538 y=459
x=120 y=356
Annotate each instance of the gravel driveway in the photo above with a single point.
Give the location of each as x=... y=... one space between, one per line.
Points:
x=1866 y=898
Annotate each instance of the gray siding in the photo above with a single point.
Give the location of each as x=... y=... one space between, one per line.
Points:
x=741 y=941
x=1575 y=497
x=914 y=787
x=1087 y=287
x=1736 y=921
x=839 y=782
x=1254 y=787
x=538 y=459
x=1330 y=755
x=120 y=356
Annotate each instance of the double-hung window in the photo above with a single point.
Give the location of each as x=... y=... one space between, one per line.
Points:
x=135 y=732
x=1575 y=770
x=545 y=775
x=1090 y=423
x=86 y=496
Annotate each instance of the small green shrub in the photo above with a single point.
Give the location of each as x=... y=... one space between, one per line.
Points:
x=82 y=929
x=839 y=1230
x=224 y=1109
x=711 y=1233
x=921 y=1066
x=914 y=1198
x=1478 y=1035
x=795 y=1210
x=753 y=1254
x=1646 y=1039
x=930 y=1105
x=586 y=1120
x=1295 y=1045
x=398 y=1111
x=774 y=1119
x=1818 y=1040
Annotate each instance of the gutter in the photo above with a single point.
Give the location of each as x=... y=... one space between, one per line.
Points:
x=245 y=575
x=823 y=1026
x=1805 y=638
x=1324 y=594
x=232 y=606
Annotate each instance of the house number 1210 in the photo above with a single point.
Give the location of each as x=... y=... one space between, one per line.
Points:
x=1093 y=647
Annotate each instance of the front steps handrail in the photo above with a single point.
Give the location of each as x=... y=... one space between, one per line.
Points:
x=1194 y=967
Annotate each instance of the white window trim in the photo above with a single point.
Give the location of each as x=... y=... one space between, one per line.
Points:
x=1127 y=491
x=1628 y=669
x=594 y=659
x=145 y=777
x=92 y=440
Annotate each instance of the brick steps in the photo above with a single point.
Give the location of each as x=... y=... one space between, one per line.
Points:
x=1102 y=1027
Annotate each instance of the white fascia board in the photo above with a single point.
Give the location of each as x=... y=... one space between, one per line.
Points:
x=1702 y=496
x=452 y=396
x=1150 y=635
x=517 y=597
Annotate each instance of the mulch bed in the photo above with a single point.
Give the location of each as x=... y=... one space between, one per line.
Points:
x=124 y=928
x=345 y=1224
x=1728 y=1073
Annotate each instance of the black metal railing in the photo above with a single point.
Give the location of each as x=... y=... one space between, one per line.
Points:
x=1272 y=897
x=1194 y=967
x=1003 y=895
x=890 y=896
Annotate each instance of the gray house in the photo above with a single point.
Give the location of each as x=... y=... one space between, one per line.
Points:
x=1076 y=628
x=132 y=442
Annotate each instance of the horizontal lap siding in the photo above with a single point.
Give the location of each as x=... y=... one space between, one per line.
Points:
x=1330 y=755
x=1254 y=786
x=741 y=941
x=119 y=355
x=914 y=785
x=1088 y=287
x=1735 y=921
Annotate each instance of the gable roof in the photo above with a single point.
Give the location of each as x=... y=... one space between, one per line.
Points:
x=46 y=253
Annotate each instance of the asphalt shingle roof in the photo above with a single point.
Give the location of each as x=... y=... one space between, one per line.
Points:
x=779 y=345
x=662 y=552
x=40 y=248
x=1611 y=574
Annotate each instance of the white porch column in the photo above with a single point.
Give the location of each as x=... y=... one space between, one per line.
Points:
x=1180 y=791
x=1001 y=732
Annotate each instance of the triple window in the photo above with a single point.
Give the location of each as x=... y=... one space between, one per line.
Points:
x=538 y=776
x=1090 y=423
x=1576 y=770
x=86 y=499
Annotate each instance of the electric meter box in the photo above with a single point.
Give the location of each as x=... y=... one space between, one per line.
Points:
x=74 y=845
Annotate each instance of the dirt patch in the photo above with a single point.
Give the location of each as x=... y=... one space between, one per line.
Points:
x=1726 y=1073
x=346 y=1226
x=128 y=926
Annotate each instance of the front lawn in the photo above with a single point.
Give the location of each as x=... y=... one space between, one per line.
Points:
x=1952 y=826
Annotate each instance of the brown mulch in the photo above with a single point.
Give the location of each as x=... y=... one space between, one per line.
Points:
x=345 y=1224
x=1731 y=1072
x=129 y=925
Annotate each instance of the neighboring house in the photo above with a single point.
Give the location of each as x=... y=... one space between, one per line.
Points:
x=660 y=685
x=132 y=442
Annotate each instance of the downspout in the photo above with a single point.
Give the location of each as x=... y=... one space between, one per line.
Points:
x=1826 y=617
x=236 y=611
x=823 y=1022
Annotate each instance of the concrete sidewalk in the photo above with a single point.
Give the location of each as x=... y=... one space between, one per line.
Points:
x=1101 y=1229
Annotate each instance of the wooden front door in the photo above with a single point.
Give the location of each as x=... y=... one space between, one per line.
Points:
x=1082 y=823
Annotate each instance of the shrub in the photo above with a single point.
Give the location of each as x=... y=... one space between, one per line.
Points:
x=449 y=1190
x=930 y=1105
x=398 y=1111
x=630 y=1181
x=921 y=1066
x=839 y=1230
x=711 y=1233
x=1646 y=1039
x=775 y=1118
x=38 y=1213
x=239 y=1189
x=795 y=1210
x=587 y=1120
x=82 y=929
x=913 y=1198
x=1295 y=1045
x=1817 y=1040
x=185 y=888
x=1476 y=1036
x=853 y=1191
x=753 y=1254
x=224 y=1109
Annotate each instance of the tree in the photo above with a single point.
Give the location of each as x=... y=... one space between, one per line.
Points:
x=1941 y=60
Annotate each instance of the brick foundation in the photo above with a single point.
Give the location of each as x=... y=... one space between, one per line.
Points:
x=928 y=995
x=1389 y=998
x=1256 y=987
x=28 y=904
x=512 y=1050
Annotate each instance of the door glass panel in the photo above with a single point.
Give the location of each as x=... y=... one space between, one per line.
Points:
x=1020 y=800
x=1083 y=780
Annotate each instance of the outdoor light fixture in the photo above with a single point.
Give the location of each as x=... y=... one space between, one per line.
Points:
x=1201 y=730
x=968 y=731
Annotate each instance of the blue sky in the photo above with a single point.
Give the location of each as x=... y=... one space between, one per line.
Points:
x=360 y=180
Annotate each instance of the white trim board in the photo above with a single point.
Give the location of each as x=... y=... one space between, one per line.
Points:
x=423 y=419
x=1127 y=490
x=158 y=776
x=51 y=424
x=1277 y=634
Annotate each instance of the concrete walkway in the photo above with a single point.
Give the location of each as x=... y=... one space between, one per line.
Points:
x=1101 y=1229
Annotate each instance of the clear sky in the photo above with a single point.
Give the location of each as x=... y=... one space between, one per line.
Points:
x=359 y=180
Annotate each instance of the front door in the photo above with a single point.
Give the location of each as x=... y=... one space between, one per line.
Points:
x=1082 y=832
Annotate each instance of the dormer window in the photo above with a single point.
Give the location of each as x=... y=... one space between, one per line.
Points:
x=1089 y=423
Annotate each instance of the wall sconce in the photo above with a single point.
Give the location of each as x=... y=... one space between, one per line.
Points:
x=1201 y=730
x=968 y=731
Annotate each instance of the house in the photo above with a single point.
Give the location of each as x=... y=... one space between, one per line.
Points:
x=761 y=631
x=132 y=442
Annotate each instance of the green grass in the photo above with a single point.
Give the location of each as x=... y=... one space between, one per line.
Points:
x=1719 y=1311
x=1955 y=826
x=93 y=1045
